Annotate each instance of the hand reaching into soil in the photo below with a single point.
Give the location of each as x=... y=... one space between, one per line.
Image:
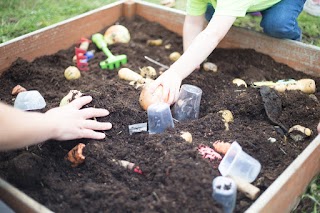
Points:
x=72 y=122
x=197 y=45
x=170 y=81
x=19 y=128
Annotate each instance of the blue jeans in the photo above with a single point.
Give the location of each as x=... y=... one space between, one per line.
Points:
x=279 y=21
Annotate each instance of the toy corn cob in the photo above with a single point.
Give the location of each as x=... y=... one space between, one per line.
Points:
x=112 y=61
x=304 y=85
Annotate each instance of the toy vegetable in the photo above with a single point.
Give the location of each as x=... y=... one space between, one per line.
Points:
x=147 y=98
x=239 y=82
x=128 y=165
x=221 y=147
x=130 y=75
x=227 y=117
x=209 y=66
x=17 y=89
x=186 y=136
x=245 y=187
x=75 y=155
x=117 y=34
x=174 y=56
x=72 y=73
x=154 y=42
x=73 y=94
x=298 y=132
x=304 y=85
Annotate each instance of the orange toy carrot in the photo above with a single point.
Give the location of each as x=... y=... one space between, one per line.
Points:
x=75 y=155
x=221 y=146
x=17 y=89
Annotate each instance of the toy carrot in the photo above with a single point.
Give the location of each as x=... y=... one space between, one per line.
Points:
x=75 y=155
x=221 y=147
x=17 y=89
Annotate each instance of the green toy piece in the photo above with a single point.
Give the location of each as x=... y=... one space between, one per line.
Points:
x=112 y=61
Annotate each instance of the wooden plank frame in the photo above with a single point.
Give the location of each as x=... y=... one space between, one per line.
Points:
x=284 y=194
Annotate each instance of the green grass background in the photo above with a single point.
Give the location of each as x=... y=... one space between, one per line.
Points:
x=19 y=17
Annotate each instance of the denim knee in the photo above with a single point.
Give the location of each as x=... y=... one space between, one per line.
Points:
x=209 y=12
x=281 y=27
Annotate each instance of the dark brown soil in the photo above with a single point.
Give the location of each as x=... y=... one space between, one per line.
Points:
x=175 y=177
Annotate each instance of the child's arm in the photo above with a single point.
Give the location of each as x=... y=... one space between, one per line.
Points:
x=19 y=128
x=200 y=48
x=193 y=25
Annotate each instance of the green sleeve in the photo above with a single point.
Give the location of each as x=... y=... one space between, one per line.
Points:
x=196 y=7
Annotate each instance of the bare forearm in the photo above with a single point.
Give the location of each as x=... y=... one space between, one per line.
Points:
x=191 y=28
x=202 y=45
x=72 y=121
x=20 y=129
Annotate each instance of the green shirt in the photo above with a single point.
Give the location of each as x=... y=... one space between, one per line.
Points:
x=237 y=8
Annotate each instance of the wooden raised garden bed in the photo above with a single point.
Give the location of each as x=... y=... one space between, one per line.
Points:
x=282 y=195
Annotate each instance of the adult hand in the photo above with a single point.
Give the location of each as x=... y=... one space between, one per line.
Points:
x=72 y=122
x=170 y=81
x=318 y=128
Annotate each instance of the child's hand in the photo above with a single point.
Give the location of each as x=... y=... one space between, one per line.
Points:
x=170 y=82
x=72 y=122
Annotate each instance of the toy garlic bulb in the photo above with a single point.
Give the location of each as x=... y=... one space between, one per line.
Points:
x=148 y=72
x=227 y=117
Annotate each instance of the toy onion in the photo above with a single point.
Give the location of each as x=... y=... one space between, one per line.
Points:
x=174 y=56
x=72 y=73
x=117 y=34
x=147 y=98
x=209 y=66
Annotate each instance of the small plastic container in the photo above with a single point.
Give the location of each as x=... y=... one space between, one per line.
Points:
x=188 y=104
x=29 y=100
x=225 y=193
x=239 y=164
x=159 y=118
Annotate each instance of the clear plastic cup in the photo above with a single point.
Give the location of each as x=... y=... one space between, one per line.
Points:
x=239 y=164
x=159 y=118
x=225 y=193
x=188 y=104
x=29 y=100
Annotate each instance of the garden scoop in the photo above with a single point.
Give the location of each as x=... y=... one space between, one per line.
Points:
x=113 y=61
